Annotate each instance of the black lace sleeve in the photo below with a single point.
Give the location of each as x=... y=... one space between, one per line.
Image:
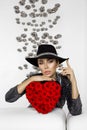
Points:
x=12 y=95
x=74 y=105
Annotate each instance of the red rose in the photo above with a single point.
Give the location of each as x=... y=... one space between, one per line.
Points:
x=43 y=95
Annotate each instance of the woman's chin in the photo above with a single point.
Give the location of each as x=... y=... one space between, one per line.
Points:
x=48 y=75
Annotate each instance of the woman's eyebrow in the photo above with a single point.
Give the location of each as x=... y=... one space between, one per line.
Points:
x=50 y=59
x=40 y=60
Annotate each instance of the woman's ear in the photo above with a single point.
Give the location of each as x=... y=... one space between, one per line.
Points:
x=57 y=63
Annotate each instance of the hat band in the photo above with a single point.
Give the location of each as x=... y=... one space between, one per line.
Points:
x=47 y=53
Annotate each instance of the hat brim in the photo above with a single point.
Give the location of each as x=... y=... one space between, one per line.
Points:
x=34 y=62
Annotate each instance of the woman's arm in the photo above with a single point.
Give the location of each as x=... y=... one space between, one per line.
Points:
x=68 y=71
x=19 y=90
x=72 y=93
x=16 y=92
x=12 y=95
x=74 y=104
x=21 y=87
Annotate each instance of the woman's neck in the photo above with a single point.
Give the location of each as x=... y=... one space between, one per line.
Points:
x=54 y=76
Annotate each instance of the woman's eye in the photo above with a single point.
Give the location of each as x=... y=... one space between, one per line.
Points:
x=50 y=61
x=40 y=63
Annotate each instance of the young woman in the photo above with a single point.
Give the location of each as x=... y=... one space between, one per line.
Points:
x=48 y=61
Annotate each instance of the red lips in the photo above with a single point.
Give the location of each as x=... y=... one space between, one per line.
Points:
x=43 y=95
x=47 y=72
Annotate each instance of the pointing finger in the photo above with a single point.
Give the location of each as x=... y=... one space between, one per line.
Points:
x=67 y=62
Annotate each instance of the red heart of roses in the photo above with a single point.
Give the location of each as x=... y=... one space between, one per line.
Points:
x=43 y=95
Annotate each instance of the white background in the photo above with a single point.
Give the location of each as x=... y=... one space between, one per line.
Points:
x=72 y=26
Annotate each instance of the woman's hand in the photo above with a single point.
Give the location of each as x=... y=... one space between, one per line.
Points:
x=68 y=71
x=41 y=78
x=22 y=86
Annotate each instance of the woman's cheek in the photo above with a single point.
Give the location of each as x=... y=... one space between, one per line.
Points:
x=52 y=66
x=41 y=68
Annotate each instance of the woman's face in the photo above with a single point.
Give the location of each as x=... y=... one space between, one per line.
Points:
x=48 y=66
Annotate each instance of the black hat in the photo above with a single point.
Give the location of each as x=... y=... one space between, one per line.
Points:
x=45 y=51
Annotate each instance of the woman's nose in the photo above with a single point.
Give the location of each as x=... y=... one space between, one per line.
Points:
x=45 y=66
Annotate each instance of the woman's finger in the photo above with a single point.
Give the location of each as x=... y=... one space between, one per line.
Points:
x=68 y=65
x=66 y=72
x=63 y=73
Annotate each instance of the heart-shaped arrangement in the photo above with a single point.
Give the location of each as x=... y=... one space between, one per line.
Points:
x=43 y=95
